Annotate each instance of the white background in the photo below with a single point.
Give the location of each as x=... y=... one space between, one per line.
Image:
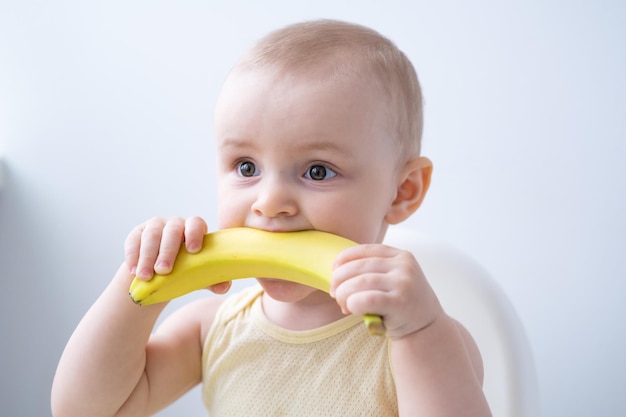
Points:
x=106 y=120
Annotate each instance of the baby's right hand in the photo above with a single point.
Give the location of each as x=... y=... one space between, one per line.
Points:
x=153 y=246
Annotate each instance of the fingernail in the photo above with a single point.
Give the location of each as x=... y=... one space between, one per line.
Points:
x=145 y=273
x=162 y=267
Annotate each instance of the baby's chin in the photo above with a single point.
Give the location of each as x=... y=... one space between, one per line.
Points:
x=285 y=291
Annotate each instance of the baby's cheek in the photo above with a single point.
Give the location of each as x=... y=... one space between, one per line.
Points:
x=228 y=214
x=226 y=219
x=228 y=204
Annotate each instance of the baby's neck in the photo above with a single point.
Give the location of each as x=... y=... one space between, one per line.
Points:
x=302 y=315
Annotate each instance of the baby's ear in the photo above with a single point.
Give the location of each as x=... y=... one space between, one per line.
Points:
x=413 y=183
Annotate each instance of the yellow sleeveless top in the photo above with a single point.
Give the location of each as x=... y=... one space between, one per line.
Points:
x=251 y=367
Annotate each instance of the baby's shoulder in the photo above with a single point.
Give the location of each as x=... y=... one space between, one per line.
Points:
x=196 y=316
x=208 y=310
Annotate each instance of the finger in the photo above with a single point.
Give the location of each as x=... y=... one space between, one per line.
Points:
x=149 y=248
x=367 y=281
x=363 y=251
x=171 y=241
x=195 y=229
x=367 y=302
x=356 y=261
x=371 y=282
x=131 y=248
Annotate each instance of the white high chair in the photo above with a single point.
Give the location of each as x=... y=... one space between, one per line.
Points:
x=469 y=294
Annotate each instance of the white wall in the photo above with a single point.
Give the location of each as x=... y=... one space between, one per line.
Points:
x=105 y=120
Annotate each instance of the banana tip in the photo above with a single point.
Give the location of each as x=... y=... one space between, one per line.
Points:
x=138 y=302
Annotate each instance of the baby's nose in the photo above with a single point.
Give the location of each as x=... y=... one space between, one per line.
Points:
x=274 y=199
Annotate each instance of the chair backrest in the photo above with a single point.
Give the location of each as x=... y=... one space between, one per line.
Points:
x=470 y=295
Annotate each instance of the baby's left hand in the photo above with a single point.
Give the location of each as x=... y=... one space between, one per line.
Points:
x=382 y=280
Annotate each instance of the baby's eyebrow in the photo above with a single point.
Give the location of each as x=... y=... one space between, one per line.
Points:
x=298 y=145
x=325 y=146
x=237 y=143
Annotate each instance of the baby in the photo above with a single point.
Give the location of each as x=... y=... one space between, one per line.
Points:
x=318 y=127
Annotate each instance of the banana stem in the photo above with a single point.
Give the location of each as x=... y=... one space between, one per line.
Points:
x=375 y=325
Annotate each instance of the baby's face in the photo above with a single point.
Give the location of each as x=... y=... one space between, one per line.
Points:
x=298 y=153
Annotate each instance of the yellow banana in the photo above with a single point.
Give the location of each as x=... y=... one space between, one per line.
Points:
x=304 y=257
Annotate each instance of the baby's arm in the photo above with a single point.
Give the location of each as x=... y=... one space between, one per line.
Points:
x=437 y=367
x=113 y=365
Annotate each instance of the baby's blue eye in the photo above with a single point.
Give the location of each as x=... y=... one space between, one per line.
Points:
x=247 y=169
x=319 y=173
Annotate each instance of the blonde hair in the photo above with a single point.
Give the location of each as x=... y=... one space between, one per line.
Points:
x=346 y=50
